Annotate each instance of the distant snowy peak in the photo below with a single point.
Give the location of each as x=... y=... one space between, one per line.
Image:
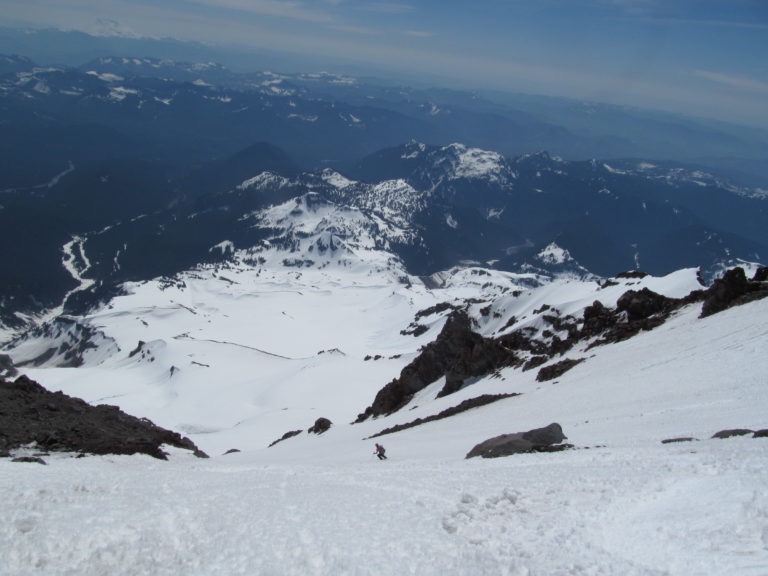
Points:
x=458 y=161
x=558 y=262
x=432 y=165
x=553 y=254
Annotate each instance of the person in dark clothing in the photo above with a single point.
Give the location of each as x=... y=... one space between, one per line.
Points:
x=380 y=452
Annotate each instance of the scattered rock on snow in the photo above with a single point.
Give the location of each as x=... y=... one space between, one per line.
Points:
x=321 y=425
x=536 y=440
x=557 y=369
x=682 y=439
x=289 y=434
x=31 y=459
x=732 y=433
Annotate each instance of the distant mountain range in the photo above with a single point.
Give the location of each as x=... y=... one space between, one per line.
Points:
x=128 y=169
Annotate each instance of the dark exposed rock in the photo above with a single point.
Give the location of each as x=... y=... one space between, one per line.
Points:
x=554 y=448
x=56 y=422
x=733 y=432
x=7 y=369
x=519 y=340
x=139 y=348
x=682 y=439
x=535 y=362
x=761 y=274
x=231 y=451
x=630 y=274
x=414 y=330
x=285 y=436
x=448 y=412
x=321 y=425
x=31 y=459
x=536 y=440
x=733 y=289
x=761 y=433
x=642 y=304
x=597 y=319
x=557 y=369
x=636 y=310
x=436 y=309
x=458 y=353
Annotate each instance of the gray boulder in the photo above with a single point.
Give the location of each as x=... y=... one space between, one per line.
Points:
x=538 y=439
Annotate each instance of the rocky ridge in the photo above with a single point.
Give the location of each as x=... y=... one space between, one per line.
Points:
x=459 y=354
x=31 y=416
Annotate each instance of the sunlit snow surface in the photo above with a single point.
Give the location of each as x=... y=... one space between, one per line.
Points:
x=259 y=352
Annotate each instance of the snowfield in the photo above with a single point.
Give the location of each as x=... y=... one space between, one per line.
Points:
x=235 y=358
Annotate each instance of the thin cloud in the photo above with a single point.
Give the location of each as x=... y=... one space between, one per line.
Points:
x=288 y=10
x=710 y=23
x=419 y=33
x=388 y=7
x=740 y=82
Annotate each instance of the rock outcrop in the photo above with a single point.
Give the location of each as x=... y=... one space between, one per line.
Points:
x=458 y=353
x=30 y=414
x=536 y=440
x=733 y=289
x=321 y=425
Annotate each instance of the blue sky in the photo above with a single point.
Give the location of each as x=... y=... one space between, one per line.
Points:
x=703 y=57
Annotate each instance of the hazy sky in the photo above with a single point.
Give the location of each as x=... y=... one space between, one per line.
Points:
x=704 y=57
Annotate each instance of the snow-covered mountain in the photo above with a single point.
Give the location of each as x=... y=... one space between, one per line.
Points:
x=285 y=310
x=294 y=317
x=262 y=345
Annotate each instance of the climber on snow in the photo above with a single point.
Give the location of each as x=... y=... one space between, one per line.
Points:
x=380 y=452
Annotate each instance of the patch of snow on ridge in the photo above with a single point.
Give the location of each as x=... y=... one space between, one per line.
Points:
x=227 y=246
x=264 y=179
x=412 y=150
x=336 y=180
x=396 y=200
x=119 y=93
x=477 y=163
x=613 y=170
x=105 y=77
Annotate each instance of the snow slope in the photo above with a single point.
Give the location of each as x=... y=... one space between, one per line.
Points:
x=259 y=351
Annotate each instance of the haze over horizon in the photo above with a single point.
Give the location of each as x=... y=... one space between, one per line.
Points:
x=707 y=59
